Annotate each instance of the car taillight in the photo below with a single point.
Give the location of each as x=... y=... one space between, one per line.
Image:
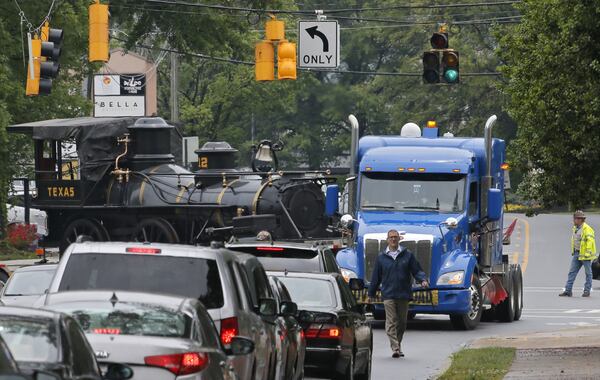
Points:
x=229 y=329
x=323 y=331
x=179 y=364
x=152 y=251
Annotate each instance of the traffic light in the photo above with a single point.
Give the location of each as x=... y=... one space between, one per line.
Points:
x=450 y=72
x=264 y=58
x=439 y=40
x=43 y=63
x=264 y=54
x=98 y=32
x=431 y=67
x=286 y=60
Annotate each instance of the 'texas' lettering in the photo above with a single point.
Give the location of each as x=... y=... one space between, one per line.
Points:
x=61 y=191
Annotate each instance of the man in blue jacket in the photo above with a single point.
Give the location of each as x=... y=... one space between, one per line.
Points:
x=393 y=270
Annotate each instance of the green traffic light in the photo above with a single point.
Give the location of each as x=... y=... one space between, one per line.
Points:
x=451 y=75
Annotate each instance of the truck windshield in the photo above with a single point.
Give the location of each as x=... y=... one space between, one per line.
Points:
x=412 y=191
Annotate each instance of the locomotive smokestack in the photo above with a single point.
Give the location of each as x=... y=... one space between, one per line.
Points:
x=151 y=143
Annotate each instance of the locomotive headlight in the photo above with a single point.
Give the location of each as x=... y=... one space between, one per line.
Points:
x=451 y=278
x=348 y=274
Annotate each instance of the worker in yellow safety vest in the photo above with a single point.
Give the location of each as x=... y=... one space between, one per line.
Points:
x=583 y=251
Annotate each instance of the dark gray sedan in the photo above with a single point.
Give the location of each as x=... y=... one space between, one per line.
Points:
x=159 y=336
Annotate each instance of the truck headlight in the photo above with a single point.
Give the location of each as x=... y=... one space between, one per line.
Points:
x=451 y=278
x=348 y=274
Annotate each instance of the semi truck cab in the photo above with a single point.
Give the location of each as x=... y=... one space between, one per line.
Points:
x=445 y=196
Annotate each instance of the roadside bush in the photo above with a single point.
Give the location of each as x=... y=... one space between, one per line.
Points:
x=21 y=236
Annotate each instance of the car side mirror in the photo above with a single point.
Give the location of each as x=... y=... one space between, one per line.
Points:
x=117 y=371
x=240 y=346
x=306 y=316
x=356 y=284
x=288 y=308
x=267 y=307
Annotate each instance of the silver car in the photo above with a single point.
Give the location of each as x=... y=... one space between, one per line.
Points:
x=210 y=275
x=27 y=284
x=159 y=336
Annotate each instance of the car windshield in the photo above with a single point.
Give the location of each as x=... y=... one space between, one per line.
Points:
x=310 y=292
x=412 y=192
x=189 y=277
x=30 y=340
x=126 y=318
x=279 y=259
x=29 y=283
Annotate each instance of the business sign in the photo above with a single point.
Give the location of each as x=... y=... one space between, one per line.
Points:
x=318 y=44
x=119 y=95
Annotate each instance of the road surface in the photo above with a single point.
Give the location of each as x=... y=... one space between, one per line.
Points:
x=541 y=245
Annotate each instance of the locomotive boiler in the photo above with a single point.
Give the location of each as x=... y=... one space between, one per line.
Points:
x=124 y=184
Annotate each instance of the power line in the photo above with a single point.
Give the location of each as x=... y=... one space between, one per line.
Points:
x=345 y=10
x=333 y=71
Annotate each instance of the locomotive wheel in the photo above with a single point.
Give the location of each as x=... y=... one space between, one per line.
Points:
x=84 y=226
x=155 y=230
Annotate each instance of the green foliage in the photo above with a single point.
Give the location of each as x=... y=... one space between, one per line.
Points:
x=490 y=363
x=553 y=87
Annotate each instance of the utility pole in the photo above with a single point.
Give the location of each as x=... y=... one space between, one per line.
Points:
x=252 y=129
x=174 y=88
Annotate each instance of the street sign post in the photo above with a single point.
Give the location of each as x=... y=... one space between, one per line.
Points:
x=318 y=44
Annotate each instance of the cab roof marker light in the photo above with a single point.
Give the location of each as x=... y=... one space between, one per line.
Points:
x=456 y=170
x=142 y=250
x=411 y=169
x=431 y=124
x=421 y=169
x=505 y=166
x=368 y=168
x=400 y=169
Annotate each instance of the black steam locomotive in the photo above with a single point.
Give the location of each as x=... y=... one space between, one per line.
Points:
x=118 y=179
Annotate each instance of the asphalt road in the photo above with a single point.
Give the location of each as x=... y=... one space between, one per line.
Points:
x=541 y=244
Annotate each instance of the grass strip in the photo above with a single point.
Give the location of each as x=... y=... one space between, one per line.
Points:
x=488 y=363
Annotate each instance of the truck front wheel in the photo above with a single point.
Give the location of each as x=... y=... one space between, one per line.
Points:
x=471 y=319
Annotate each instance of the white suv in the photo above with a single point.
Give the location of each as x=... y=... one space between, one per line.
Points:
x=211 y=275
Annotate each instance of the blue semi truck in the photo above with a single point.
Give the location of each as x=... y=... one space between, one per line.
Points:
x=445 y=196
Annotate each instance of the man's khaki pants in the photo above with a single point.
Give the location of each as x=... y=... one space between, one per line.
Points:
x=396 y=312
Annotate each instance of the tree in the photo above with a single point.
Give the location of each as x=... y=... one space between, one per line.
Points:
x=553 y=87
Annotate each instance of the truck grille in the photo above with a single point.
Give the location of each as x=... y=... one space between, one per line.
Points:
x=421 y=249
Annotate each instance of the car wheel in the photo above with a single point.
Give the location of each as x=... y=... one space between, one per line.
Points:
x=471 y=319
x=366 y=375
x=348 y=373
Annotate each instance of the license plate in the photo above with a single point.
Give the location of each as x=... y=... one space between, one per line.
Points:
x=419 y=297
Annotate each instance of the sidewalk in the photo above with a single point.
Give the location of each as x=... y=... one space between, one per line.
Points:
x=565 y=354
x=52 y=258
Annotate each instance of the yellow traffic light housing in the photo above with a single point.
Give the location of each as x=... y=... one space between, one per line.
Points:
x=264 y=58
x=43 y=65
x=286 y=60
x=98 y=32
x=275 y=30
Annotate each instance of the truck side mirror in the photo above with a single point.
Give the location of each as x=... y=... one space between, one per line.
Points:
x=494 y=205
x=332 y=195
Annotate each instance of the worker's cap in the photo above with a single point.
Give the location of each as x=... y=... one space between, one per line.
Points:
x=579 y=214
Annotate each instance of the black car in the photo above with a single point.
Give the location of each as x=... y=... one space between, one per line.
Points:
x=43 y=341
x=290 y=256
x=338 y=335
